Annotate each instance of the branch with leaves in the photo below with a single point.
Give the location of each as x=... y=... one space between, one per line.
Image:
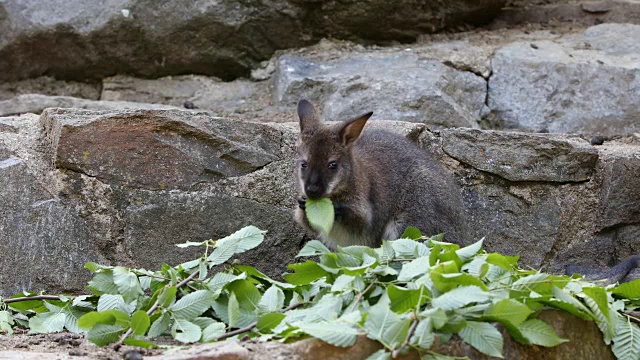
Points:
x=408 y=294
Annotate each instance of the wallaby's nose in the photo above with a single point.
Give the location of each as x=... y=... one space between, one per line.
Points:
x=312 y=191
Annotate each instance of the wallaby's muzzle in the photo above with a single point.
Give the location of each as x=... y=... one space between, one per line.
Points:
x=313 y=187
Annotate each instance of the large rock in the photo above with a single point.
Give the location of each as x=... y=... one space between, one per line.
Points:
x=522 y=157
x=158 y=150
x=400 y=86
x=44 y=242
x=95 y=39
x=46 y=85
x=203 y=92
x=129 y=184
x=587 y=83
x=36 y=103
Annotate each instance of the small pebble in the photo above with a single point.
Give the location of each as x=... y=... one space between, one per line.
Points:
x=188 y=104
x=132 y=355
x=597 y=140
x=534 y=46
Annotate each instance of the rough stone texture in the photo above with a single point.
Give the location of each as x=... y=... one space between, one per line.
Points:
x=152 y=150
x=620 y=194
x=42 y=239
x=399 y=86
x=47 y=85
x=94 y=39
x=585 y=13
x=205 y=93
x=36 y=103
x=226 y=350
x=129 y=184
x=522 y=157
x=588 y=83
x=155 y=221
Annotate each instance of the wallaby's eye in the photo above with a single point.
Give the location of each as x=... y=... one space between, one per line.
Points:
x=333 y=165
x=303 y=164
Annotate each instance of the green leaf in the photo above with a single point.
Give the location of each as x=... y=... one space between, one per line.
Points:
x=247 y=294
x=387 y=253
x=272 y=300
x=213 y=331
x=94 y=267
x=140 y=322
x=484 y=337
x=538 y=332
x=127 y=283
x=437 y=317
x=242 y=240
x=599 y=295
x=403 y=300
x=221 y=279
x=92 y=318
x=626 y=343
x=159 y=326
x=122 y=319
x=139 y=343
x=406 y=248
x=103 y=334
x=203 y=322
x=628 y=290
x=386 y=326
x=381 y=354
x=445 y=282
x=414 y=268
x=334 y=333
x=267 y=322
x=233 y=311
x=192 y=305
x=505 y=262
x=470 y=251
x=596 y=298
x=116 y=302
x=460 y=297
x=397 y=333
x=508 y=311
x=102 y=282
x=411 y=232
x=423 y=336
x=537 y=283
x=185 y=331
x=305 y=273
x=320 y=214
x=47 y=322
x=73 y=314
x=167 y=297
x=573 y=307
x=313 y=248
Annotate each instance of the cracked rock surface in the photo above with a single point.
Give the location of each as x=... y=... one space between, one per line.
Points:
x=125 y=186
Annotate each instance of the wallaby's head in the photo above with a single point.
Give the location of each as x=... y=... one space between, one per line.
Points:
x=325 y=161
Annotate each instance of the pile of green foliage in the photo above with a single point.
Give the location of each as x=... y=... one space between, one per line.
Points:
x=406 y=294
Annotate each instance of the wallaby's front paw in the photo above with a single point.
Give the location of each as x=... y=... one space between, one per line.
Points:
x=302 y=202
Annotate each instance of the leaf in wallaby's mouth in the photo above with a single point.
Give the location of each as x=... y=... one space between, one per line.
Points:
x=320 y=214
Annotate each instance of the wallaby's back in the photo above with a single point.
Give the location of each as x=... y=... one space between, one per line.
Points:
x=409 y=186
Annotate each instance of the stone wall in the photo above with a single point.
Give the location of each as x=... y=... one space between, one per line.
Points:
x=124 y=186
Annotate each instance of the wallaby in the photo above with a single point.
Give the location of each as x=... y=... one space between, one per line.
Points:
x=379 y=183
x=608 y=276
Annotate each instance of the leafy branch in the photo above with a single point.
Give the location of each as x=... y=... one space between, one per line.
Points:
x=408 y=294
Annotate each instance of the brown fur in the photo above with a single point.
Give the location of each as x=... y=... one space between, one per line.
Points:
x=381 y=184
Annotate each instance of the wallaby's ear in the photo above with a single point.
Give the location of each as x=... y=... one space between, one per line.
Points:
x=307 y=114
x=352 y=128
